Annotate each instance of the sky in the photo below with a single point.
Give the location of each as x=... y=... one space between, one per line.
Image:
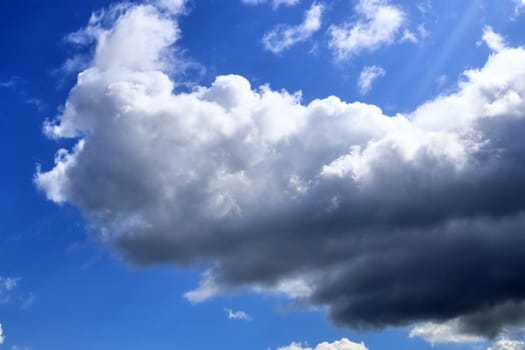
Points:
x=262 y=174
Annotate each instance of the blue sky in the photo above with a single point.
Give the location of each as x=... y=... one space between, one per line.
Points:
x=262 y=174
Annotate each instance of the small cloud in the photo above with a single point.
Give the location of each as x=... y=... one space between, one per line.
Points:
x=206 y=290
x=343 y=344
x=493 y=40
x=379 y=23
x=448 y=332
x=283 y=36
x=7 y=285
x=2 y=337
x=275 y=3
x=237 y=315
x=368 y=76
x=506 y=344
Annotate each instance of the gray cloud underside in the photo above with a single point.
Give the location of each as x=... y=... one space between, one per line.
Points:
x=391 y=219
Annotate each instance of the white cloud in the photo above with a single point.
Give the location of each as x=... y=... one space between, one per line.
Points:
x=2 y=337
x=343 y=344
x=367 y=77
x=237 y=315
x=506 y=344
x=284 y=36
x=275 y=3
x=293 y=288
x=379 y=24
x=206 y=290
x=174 y=7
x=494 y=41
x=448 y=332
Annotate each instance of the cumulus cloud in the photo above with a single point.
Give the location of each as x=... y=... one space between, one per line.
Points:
x=2 y=337
x=275 y=3
x=343 y=344
x=379 y=23
x=284 y=36
x=237 y=315
x=389 y=220
x=367 y=77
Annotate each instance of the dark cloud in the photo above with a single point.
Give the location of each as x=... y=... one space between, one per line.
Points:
x=386 y=220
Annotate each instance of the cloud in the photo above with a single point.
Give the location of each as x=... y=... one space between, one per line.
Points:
x=2 y=337
x=449 y=332
x=505 y=344
x=494 y=41
x=207 y=289
x=283 y=37
x=519 y=6
x=275 y=3
x=343 y=344
x=367 y=77
x=237 y=315
x=391 y=220
x=379 y=24
x=7 y=286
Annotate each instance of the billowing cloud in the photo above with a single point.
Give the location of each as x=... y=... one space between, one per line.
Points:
x=367 y=77
x=343 y=344
x=387 y=220
x=379 y=24
x=284 y=36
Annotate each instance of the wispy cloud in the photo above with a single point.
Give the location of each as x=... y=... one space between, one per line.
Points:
x=7 y=286
x=343 y=344
x=283 y=37
x=237 y=315
x=368 y=76
x=275 y=3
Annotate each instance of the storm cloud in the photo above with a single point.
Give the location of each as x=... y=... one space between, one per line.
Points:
x=386 y=220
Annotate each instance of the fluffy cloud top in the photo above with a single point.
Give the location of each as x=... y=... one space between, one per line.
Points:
x=284 y=36
x=343 y=344
x=386 y=220
x=379 y=23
